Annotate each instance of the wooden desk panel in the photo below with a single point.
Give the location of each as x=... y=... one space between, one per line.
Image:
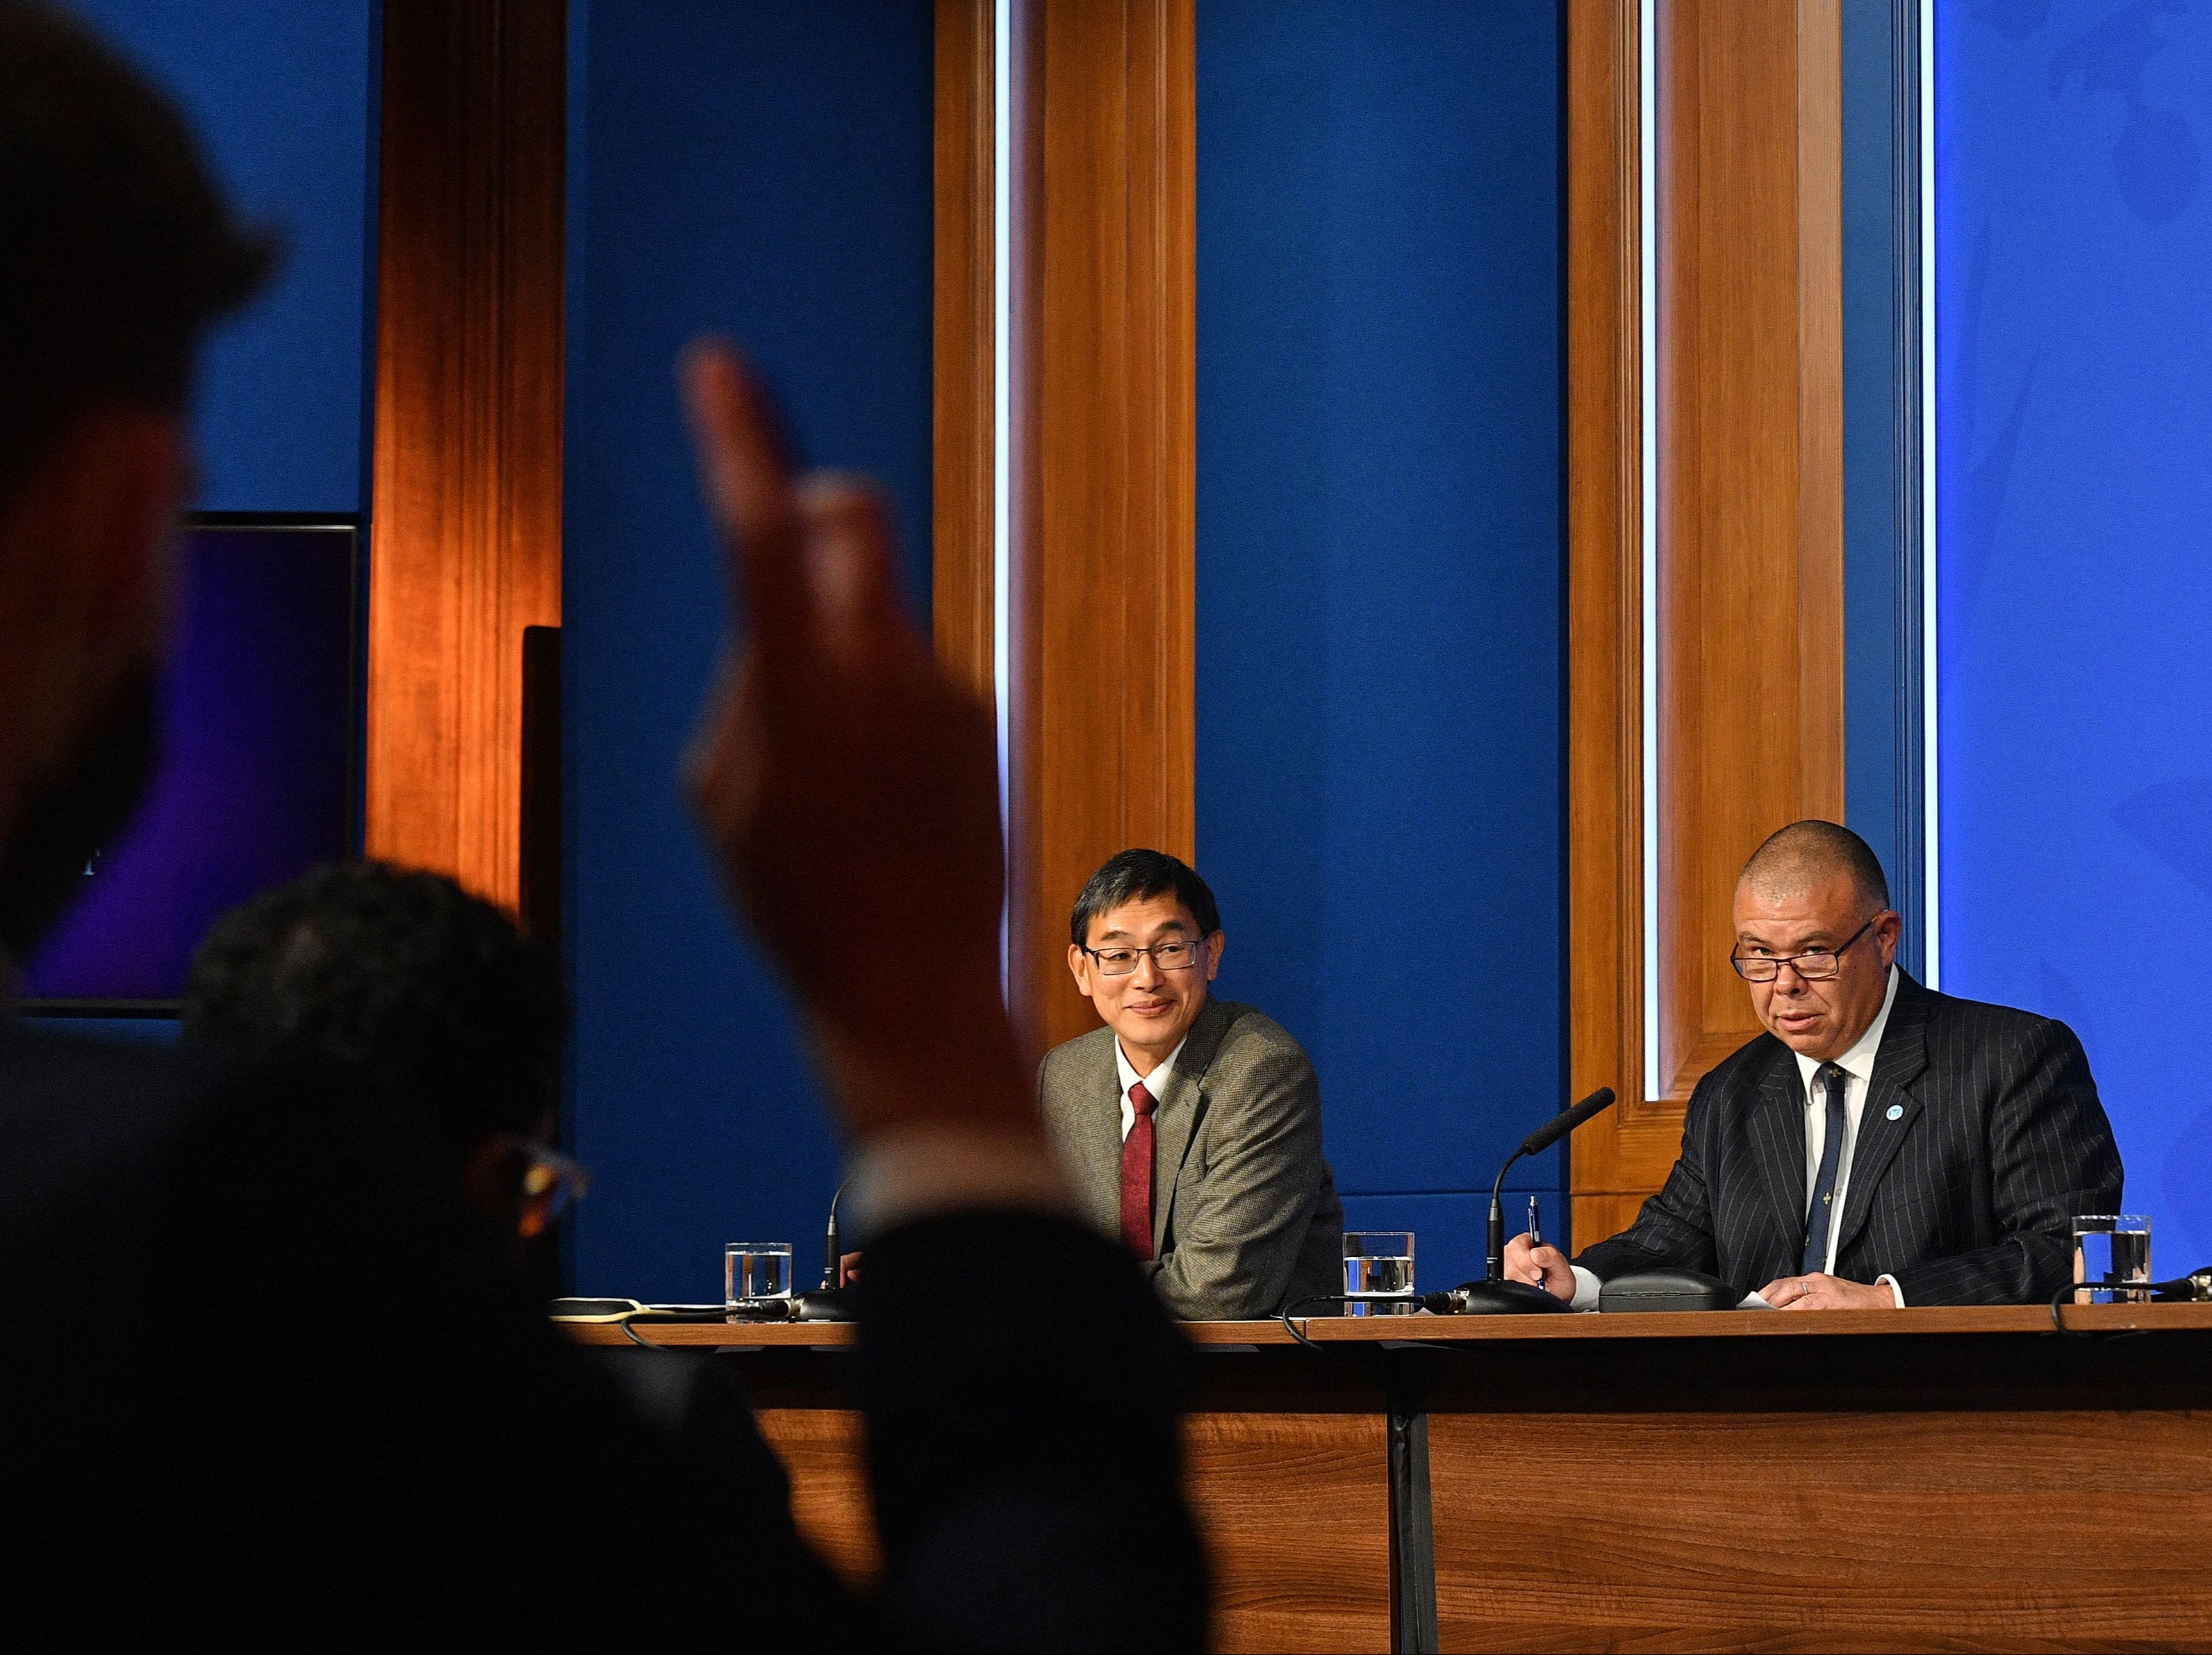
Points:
x=1827 y=1530
x=825 y=1451
x=1294 y=1509
x=1926 y=1479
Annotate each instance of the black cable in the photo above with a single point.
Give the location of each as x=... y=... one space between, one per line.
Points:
x=1296 y=1305
x=2185 y=1288
x=631 y=1333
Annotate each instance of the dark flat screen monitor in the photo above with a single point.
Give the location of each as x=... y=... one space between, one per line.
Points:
x=258 y=778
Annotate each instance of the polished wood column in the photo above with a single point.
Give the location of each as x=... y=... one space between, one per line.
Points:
x=963 y=547
x=1103 y=564
x=1605 y=607
x=464 y=529
x=1751 y=530
x=1749 y=596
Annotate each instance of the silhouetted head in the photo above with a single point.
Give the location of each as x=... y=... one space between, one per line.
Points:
x=428 y=996
x=118 y=253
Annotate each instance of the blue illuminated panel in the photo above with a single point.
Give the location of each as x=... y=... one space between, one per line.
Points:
x=256 y=782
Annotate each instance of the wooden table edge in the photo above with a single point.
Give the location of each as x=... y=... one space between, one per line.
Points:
x=1464 y=1330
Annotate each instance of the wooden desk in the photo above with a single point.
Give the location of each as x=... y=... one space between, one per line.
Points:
x=1925 y=1479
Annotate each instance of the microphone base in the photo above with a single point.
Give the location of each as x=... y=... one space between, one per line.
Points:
x=824 y=1305
x=1501 y=1298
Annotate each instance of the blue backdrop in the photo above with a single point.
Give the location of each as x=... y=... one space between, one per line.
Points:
x=2074 y=549
x=1380 y=580
x=282 y=95
x=765 y=172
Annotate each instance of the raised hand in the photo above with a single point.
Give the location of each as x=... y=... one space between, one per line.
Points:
x=849 y=789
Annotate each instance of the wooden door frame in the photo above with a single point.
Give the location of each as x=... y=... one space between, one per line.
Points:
x=1101 y=566
x=1622 y=1157
x=1605 y=609
x=465 y=524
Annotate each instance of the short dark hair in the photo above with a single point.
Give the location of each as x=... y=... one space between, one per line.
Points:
x=1813 y=849
x=1138 y=876
x=429 y=995
x=119 y=248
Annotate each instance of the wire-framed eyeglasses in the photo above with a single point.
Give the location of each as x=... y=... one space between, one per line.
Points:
x=1814 y=965
x=1177 y=956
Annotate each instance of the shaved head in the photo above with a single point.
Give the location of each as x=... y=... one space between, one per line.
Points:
x=1808 y=853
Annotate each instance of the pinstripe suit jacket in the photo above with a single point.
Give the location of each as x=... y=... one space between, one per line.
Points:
x=1964 y=1198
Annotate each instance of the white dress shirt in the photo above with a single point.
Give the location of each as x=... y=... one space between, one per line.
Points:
x=1156 y=1082
x=935 y=1167
x=1857 y=1065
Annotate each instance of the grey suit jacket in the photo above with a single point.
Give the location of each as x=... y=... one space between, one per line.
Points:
x=1982 y=1137
x=1245 y=1217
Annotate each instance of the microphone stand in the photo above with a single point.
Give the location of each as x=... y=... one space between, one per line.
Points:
x=1494 y=1295
x=833 y=1267
x=830 y=1302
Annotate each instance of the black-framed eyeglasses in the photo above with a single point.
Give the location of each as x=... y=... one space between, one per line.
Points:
x=1168 y=956
x=1814 y=965
x=548 y=1183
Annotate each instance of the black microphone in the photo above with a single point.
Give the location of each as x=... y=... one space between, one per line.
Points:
x=1494 y=1294
x=833 y=1265
x=830 y=1302
x=1534 y=1144
x=1557 y=1127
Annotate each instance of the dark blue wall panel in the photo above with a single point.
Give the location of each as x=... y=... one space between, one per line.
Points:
x=283 y=93
x=765 y=172
x=1380 y=577
x=2074 y=550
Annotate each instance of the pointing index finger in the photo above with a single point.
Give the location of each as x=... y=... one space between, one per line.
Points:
x=746 y=472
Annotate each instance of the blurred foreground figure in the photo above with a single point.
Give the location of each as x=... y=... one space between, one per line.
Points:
x=265 y=1378
x=428 y=996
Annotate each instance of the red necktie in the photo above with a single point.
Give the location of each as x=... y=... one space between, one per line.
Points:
x=1137 y=1175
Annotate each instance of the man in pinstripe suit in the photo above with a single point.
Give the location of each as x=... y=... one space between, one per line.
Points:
x=1881 y=1144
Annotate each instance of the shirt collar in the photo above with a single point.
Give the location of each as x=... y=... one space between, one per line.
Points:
x=1157 y=1081
x=1858 y=1062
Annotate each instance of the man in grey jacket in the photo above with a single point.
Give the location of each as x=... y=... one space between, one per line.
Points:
x=1190 y=1126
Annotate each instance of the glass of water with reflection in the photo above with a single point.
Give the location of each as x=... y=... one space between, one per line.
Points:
x=2111 y=1258
x=1378 y=1272
x=754 y=1270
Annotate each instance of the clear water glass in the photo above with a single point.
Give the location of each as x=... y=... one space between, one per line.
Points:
x=2111 y=1258
x=754 y=1270
x=1378 y=1272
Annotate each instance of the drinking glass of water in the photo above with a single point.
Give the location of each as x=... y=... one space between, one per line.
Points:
x=2111 y=1258
x=1378 y=1272
x=754 y=1270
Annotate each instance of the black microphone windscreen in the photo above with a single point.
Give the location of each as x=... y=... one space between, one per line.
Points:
x=1557 y=1127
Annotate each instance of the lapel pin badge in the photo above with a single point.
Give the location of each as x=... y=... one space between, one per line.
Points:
x=1897 y=1111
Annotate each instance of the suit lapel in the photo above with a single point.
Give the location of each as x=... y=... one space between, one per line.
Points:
x=1174 y=1122
x=1096 y=1140
x=1902 y=1055
x=1777 y=1136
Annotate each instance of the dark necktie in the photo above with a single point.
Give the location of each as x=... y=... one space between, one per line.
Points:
x=1137 y=1175
x=1824 y=1187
